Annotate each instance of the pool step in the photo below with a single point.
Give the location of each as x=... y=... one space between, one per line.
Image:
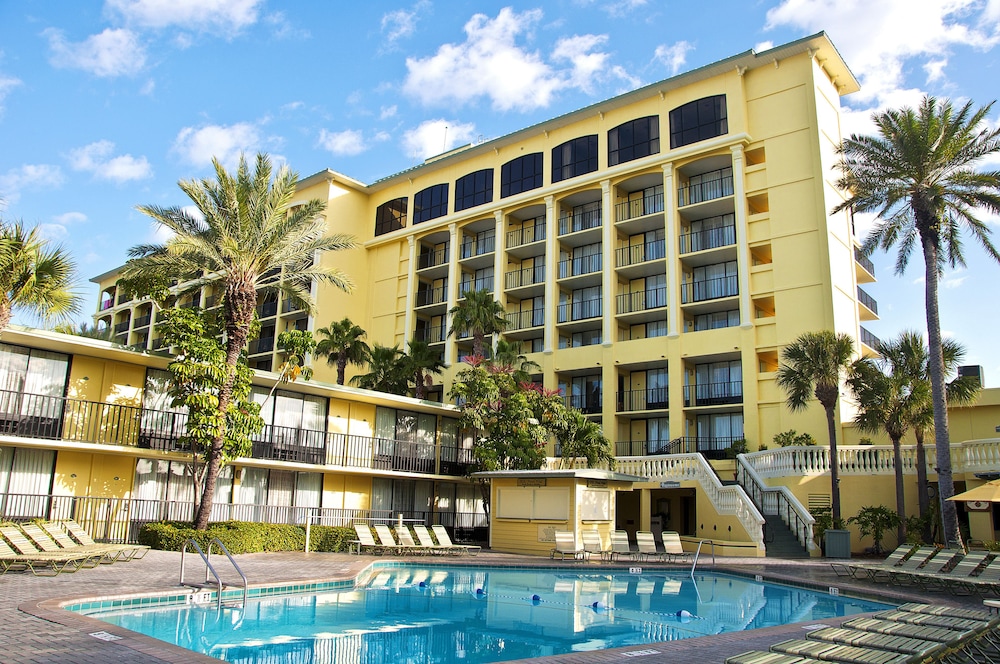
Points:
x=783 y=543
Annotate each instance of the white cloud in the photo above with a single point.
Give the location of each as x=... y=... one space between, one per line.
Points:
x=27 y=177
x=402 y=23
x=387 y=112
x=349 y=142
x=7 y=83
x=436 y=136
x=935 y=69
x=53 y=232
x=148 y=88
x=224 y=142
x=491 y=64
x=68 y=218
x=218 y=16
x=110 y=53
x=760 y=47
x=673 y=56
x=623 y=7
x=892 y=32
x=97 y=158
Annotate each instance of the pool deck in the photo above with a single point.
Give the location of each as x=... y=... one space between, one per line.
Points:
x=35 y=630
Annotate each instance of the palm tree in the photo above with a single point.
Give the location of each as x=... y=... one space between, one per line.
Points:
x=479 y=314
x=814 y=364
x=84 y=329
x=891 y=392
x=508 y=356
x=387 y=371
x=581 y=437
x=243 y=237
x=917 y=175
x=36 y=277
x=422 y=362
x=344 y=344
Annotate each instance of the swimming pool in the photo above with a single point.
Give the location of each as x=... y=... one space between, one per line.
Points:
x=428 y=613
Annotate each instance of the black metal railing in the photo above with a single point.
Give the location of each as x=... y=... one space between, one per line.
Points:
x=869 y=339
x=267 y=309
x=477 y=247
x=712 y=238
x=585 y=403
x=289 y=305
x=648 y=447
x=525 y=235
x=470 y=285
x=653 y=298
x=580 y=310
x=574 y=267
x=867 y=300
x=428 y=296
x=524 y=277
x=864 y=261
x=432 y=258
x=713 y=394
x=640 y=253
x=143 y=321
x=651 y=398
x=122 y=327
x=579 y=220
x=709 y=289
x=432 y=334
x=124 y=297
x=521 y=320
x=705 y=191
x=710 y=447
x=639 y=207
x=261 y=345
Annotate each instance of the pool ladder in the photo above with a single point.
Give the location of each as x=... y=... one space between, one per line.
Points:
x=697 y=553
x=210 y=570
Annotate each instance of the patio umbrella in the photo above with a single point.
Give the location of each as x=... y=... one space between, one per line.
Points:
x=987 y=493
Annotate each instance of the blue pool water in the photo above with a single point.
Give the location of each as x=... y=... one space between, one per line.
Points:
x=431 y=614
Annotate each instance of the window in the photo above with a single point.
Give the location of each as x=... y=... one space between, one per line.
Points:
x=698 y=120
x=430 y=203
x=171 y=483
x=718 y=383
x=574 y=158
x=26 y=474
x=634 y=140
x=473 y=189
x=32 y=384
x=711 y=282
x=717 y=432
x=716 y=320
x=390 y=216
x=583 y=393
x=521 y=174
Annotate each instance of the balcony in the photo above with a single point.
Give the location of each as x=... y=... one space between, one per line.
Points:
x=869 y=339
x=124 y=297
x=708 y=190
x=639 y=207
x=869 y=302
x=432 y=258
x=525 y=277
x=479 y=247
x=522 y=320
x=588 y=404
x=648 y=447
x=143 y=321
x=262 y=345
x=579 y=220
x=431 y=334
x=709 y=289
x=429 y=296
x=637 y=254
x=575 y=267
x=525 y=235
x=865 y=262
x=651 y=398
x=122 y=327
x=644 y=300
x=713 y=394
x=710 y=447
x=581 y=310
x=107 y=304
x=470 y=285
x=264 y=309
x=290 y=306
x=712 y=238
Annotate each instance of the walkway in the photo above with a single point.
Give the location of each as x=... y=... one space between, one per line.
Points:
x=35 y=631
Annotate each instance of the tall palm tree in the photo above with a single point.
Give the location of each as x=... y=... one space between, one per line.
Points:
x=243 y=237
x=891 y=392
x=422 y=362
x=479 y=314
x=508 y=356
x=387 y=371
x=813 y=366
x=918 y=176
x=35 y=276
x=344 y=344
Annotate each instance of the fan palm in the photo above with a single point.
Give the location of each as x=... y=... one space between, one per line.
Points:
x=581 y=437
x=243 y=237
x=813 y=366
x=422 y=362
x=387 y=371
x=891 y=393
x=917 y=175
x=508 y=356
x=36 y=277
x=479 y=314
x=344 y=344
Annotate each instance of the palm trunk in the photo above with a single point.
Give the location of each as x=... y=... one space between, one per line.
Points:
x=341 y=367
x=477 y=344
x=6 y=313
x=897 y=467
x=923 y=498
x=831 y=427
x=946 y=483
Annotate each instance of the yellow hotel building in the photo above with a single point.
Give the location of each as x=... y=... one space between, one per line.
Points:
x=653 y=253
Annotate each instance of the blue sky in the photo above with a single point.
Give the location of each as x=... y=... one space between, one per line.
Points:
x=106 y=105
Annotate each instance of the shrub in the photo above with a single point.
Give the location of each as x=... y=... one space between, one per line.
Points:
x=738 y=447
x=246 y=537
x=874 y=521
x=865 y=441
x=330 y=538
x=792 y=438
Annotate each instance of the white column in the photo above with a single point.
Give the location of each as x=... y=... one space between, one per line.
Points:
x=742 y=246
x=411 y=286
x=551 y=271
x=451 y=343
x=499 y=264
x=671 y=243
x=608 y=281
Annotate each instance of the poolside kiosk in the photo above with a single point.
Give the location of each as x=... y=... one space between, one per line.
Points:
x=527 y=507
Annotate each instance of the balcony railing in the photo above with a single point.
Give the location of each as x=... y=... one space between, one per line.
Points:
x=712 y=238
x=58 y=418
x=478 y=247
x=639 y=207
x=652 y=398
x=122 y=327
x=864 y=261
x=867 y=300
x=705 y=191
x=470 y=285
x=581 y=310
x=143 y=321
x=869 y=339
x=432 y=334
x=290 y=306
x=107 y=304
x=524 y=277
x=525 y=235
x=648 y=447
x=709 y=289
x=574 y=267
x=713 y=394
x=267 y=309
x=585 y=403
x=640 y=253
x=522 y=320
x=428 y=296
x=262 y=345
x=710 y=447
x=579 y=220
x=124 y=297
x=432 y=258
x=653 y=298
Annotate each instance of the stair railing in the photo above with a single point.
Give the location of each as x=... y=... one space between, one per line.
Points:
x=210 y=570
x=776 y=501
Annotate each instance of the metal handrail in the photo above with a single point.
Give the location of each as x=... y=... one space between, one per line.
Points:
x=210 y=569
x=697 y=553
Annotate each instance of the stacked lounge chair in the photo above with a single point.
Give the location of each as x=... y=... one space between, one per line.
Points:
x=445 y=539
x=902 y=552
x=43 y=563
x=647 y=546
x=672 y=547
x=128 y=551
x=426 y=541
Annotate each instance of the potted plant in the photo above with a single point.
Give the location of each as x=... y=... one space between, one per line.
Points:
x=874 y=521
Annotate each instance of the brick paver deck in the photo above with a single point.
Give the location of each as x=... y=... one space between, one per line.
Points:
x=35 y=630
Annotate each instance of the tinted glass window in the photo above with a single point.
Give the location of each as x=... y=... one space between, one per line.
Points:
x=430 y=203
x=698 y=120
x=474 y=189
x=574 y=158
x=634 y=140
x=390 y=216
x=521 y=174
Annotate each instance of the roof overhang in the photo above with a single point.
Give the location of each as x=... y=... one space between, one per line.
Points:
x=576 y=473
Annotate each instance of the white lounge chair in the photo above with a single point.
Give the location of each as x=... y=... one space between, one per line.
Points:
x=406 y=542
x=647 y=546
x=566 y=546
x=426 y=541
x=672 y=547
x=592 y=544
x=366 y=540
x=444 y=539
x=620 y=546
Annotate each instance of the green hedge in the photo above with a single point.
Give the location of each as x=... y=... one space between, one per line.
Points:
x=246 y=537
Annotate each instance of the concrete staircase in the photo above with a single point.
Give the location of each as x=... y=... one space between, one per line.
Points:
x=780 y=542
